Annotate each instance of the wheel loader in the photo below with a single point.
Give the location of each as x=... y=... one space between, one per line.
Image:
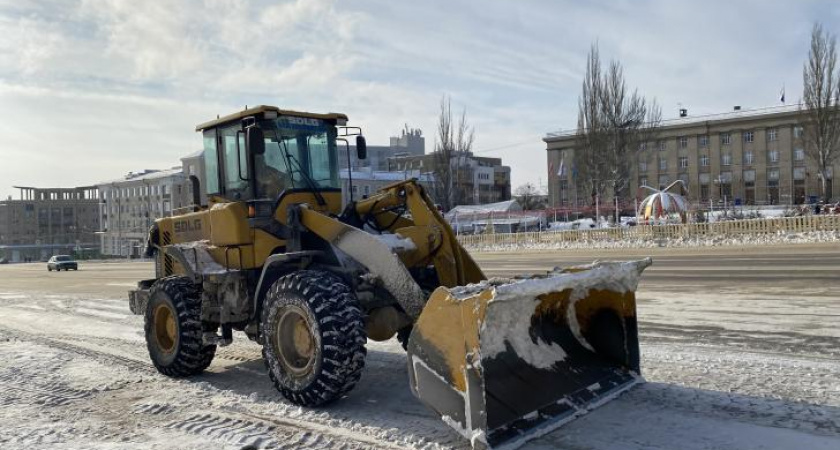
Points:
x=274 y=254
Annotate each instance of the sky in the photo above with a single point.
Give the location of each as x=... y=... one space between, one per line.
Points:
x=93 y=89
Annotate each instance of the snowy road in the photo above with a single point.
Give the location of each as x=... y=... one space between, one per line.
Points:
x=741 y=350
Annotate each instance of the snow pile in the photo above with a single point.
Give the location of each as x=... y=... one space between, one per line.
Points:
x=199 y=258
x=396 y=242
x=652 y=242
x=508 y=318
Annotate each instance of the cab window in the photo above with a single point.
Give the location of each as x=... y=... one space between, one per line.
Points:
x=235 y=165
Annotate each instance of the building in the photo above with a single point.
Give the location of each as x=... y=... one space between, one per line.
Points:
x=367 y=182
x=477 y=180
x=752 y=157
x=49 y=221
x=131 y=204
x=410 y=143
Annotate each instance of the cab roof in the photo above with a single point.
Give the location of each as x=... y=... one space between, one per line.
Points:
x=261 y=109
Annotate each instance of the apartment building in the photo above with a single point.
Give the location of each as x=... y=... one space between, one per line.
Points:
x=476 y=179
x=49 y=221
x=747 y=157
x=131 y=204
x=366 y=182
x=410 y=143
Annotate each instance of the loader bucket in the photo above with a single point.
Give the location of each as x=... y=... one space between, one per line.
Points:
x=508 y=360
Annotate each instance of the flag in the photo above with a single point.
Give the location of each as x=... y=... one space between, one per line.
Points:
x=562 y=171
x=782 y=94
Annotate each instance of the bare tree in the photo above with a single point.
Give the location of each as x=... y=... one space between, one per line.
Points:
x=820 y=116
x=612 y=124
x=453 y=143
x=528 y=197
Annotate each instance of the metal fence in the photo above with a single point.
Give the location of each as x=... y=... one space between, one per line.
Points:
x=726 y=228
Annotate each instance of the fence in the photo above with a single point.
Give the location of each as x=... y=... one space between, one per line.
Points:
x=726 y=228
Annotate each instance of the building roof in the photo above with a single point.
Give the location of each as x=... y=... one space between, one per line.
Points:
x=263 y=108
x=375 y=175
x=195 y=154
x=145 y=176
x=505 y=206
x=735 y=115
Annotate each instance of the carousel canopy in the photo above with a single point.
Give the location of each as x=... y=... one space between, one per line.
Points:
x=662 y=203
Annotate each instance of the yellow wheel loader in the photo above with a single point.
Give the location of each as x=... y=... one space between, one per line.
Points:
x=273 y=254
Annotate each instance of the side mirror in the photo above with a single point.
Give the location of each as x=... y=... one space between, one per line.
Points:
x=361 y=147
x=256 y=140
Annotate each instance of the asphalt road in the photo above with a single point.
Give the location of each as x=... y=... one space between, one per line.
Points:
x=740 y=348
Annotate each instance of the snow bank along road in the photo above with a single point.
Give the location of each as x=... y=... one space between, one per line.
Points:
x=741 y=348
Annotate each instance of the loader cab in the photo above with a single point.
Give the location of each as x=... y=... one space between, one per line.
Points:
x=264 y=152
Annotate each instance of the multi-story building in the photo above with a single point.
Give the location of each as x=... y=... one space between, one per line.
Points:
x=752 y=157
x=131 y=204
x=410 y=143
x=476 y=179
x=366 y=182
x=49 y=221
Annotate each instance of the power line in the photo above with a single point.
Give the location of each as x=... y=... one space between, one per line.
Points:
x=502 y=147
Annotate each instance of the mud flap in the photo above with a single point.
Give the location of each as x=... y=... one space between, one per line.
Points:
x=505 y=361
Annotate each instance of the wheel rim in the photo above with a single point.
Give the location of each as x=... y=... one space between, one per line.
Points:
x=165 y=328
x=294 y=340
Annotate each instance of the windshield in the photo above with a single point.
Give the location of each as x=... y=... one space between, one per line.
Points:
x=299 y=153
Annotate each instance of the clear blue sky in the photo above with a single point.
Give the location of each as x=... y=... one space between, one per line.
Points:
x=93 y=89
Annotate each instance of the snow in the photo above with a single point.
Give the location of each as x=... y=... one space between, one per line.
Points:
x=396 y=242
x=74 y=380
x=198 y=257
x=507 y=321
x=679 y=242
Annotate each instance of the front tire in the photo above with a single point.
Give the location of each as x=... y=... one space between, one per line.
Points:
x=313 y=337
x=174 y=330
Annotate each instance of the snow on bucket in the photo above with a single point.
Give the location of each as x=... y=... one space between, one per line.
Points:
x=508 y=360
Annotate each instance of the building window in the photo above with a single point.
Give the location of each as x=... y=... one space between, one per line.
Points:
x=749 y=136
x=643 y=181
x=366 y=190
x=725 y=139
x=798 y=131
x=704 y=187
x=703 y=140
x=642 y=146
x=643 y=166
x=704 y=160
x=663 y=164
x=663 y=181
x=748 y=158
x=799 y=184
x=725 y=159
x=663 y=146
x=798 y=154
x=749 y=187
x=773 y=156
x=683 y=162
x=772 y=134
x=773 y=186
x=683 y=141
x=725 y=184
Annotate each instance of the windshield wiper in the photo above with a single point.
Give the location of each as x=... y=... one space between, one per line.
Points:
x=313 y=186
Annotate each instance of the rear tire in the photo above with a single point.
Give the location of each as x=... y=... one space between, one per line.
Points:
x=174 y=330
x=313 y=337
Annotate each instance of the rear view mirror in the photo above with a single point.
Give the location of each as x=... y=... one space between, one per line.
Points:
x=361 y=147
x=256 y=140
